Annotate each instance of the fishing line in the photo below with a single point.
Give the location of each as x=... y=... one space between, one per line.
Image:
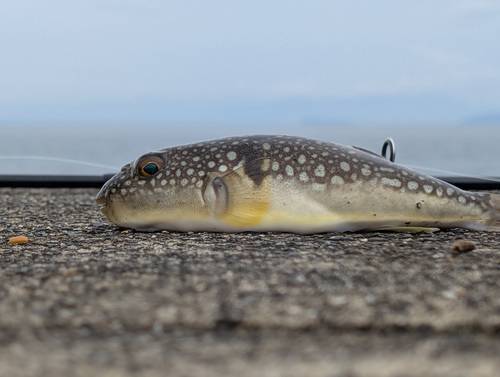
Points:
x=416 y=167
x=390 y=145
x=59 y=159
x=102 y=166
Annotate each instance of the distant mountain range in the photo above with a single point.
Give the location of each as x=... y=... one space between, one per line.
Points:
x=492 y=119
x=390 y=110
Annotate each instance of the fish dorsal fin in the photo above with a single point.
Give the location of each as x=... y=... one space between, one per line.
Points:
x=369 y=152
x=245 y=194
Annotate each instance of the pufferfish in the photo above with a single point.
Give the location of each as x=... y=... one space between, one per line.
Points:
x=288 y=184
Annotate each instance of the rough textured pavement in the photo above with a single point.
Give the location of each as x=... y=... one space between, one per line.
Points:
x=85 y=298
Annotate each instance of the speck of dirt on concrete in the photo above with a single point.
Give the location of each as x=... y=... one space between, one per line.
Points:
x=463 y=246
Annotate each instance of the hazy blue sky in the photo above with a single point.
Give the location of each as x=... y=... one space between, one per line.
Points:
x=356 y=61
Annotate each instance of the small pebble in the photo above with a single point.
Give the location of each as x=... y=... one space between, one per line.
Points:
x=463 y=246
x=18 y=239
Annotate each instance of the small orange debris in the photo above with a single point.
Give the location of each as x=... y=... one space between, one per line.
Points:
x=463 y=246
x=18 y=239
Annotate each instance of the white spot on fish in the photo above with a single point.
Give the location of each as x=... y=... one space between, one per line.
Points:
x=303 y=177
x=199 y=184
x=142 y=183
x=461 y=199
x=163 y=182
x=289 y=170
x=265 y=166
x=127 y=183
x=276 y=166
x=391 y=182
x=196 y=158
x=336 y=180
x=231 y=156
x=190 y=172
x=211 y=164
x=428 y=188
x=222 y=168
x=302 y=159
x=184 y=182
x=123 y=191
x=412 y=185
x=345 y=166
x=132 y=190
x=318 y=186
x=201 y=173
x=439 y=191
x=266 y=146
x=172 y=182
x=279 y=177
x=450 y=191
x=366 y=172
x=319 y=171
x=153 y=182
x=390 y=170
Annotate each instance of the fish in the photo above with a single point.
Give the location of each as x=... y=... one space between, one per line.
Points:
x=284 y=183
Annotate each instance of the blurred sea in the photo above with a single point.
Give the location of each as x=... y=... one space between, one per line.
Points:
x=466 y=150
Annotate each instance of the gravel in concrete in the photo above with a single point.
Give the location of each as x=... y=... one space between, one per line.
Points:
x=83 y=297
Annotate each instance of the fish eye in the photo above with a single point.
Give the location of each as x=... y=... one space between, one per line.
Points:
x=150 y=166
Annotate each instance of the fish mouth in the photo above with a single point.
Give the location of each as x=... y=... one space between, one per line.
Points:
x=105 y=208
x=101 y=200
x=101 y=197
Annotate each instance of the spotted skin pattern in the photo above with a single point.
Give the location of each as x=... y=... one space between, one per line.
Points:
x=285 y=183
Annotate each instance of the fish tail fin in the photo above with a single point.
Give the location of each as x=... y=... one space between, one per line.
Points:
x=494 y=225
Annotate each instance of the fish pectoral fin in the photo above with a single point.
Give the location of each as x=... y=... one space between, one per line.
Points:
x=403 y=229
x=248 y=194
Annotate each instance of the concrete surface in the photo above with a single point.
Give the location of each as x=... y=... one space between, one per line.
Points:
x=84 y=298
